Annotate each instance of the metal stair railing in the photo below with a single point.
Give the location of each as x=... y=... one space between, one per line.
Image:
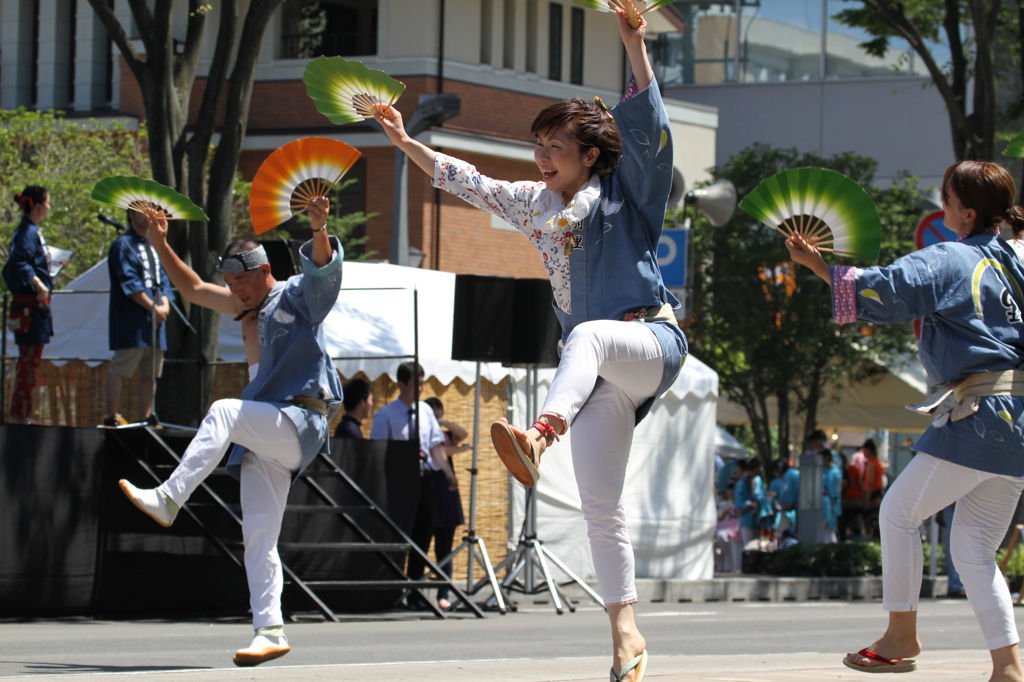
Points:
x=381 y=549
x=443 y=580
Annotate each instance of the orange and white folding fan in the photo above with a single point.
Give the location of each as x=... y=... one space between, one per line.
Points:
x=294 y=175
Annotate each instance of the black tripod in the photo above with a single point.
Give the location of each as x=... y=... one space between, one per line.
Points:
x=530 y=555
x=477 y=549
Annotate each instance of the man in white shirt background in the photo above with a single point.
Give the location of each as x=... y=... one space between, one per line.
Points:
x=396 y=421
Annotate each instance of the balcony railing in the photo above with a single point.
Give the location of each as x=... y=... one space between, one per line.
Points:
x=307 y=46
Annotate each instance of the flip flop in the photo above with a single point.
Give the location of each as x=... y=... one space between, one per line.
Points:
x=512 y=447
x=900 y=665
x=639 y=663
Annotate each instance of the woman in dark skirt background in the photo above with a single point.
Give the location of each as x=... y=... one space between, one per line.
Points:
x=27 y=275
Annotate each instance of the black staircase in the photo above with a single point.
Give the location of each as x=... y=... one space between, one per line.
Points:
x=332 y=525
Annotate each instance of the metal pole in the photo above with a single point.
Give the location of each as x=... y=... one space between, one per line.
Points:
x=473 y=470
x=399 y=205
x=933 y=538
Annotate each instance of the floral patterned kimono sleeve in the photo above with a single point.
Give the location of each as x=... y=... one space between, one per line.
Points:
x=510 y=201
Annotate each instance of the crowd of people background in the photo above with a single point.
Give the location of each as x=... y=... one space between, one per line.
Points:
x=757 y=508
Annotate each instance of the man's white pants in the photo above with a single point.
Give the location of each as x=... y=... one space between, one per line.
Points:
x=628 y=356
x=274 y=454
x=984 y=507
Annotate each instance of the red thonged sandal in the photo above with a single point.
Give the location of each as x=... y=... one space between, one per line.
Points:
x=900 y=665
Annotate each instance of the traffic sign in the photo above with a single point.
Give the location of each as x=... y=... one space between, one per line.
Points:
x=674 y=257
x=932 y=230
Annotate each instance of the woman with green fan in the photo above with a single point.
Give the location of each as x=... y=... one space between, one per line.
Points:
x=969 y=296
x=596 y=217
x=27 y=275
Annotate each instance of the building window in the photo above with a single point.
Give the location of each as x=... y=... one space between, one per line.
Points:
x=509 y=41
x=576 y=51
x=331 y=28
x=796 y=40
x=531 y=36
x=555 y=42
x=34 y=100
x=486 y=26
x=73 y=48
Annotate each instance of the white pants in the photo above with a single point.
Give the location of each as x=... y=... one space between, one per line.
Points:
x=628 y=356
x=984 y=508
x=273 y=444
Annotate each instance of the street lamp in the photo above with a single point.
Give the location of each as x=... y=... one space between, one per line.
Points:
x=433 y=110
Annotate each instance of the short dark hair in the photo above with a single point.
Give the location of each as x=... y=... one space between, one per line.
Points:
x=870 y=444
x=435 y=403
x=406 y=370
x=817 y=434
x=355 y=392
x=28 y=198
x=238 y=246
x=754 y=464
x=589 y=125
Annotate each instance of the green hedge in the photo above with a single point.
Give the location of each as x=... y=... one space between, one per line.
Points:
x=850 y=560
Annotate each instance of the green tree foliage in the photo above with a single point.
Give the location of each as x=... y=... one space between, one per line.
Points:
x=987 y=57
x=40 y=148
x=165 y=61
x=766 y=326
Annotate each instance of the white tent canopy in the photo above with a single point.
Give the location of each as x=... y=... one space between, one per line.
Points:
x=726 y=445
x=670 y=502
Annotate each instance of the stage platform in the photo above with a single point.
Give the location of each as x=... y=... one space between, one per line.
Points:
x=71 y=544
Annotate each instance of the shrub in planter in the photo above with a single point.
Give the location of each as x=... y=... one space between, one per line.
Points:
x=1014 y=567
x=834 y=560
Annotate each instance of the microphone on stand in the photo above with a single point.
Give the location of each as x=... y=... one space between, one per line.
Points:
x=110 y=221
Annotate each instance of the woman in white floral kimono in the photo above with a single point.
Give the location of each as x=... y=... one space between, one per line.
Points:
x=596 y=217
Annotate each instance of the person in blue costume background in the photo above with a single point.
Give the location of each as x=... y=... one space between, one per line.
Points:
x=280 y=424
x=27 y=275
x=139 y=292
x=596 y=216
x=968 y=295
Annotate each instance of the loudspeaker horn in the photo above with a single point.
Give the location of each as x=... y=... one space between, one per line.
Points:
x=717 y=201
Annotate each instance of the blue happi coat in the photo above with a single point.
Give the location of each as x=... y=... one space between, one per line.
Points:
x=293 y=353
x=969 y=296
x=606 y=265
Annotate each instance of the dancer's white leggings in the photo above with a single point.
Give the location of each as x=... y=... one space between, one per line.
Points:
x=984 y=507
x=628 y=356
x=273 y=444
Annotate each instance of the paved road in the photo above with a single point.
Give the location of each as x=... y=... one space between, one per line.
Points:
x=725 y=642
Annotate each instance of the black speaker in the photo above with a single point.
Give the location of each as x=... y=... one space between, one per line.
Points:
x=284 y=259
x=535 y=327
x=482 y=326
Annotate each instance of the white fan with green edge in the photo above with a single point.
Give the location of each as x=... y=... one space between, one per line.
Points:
x=347 y=91
x=634 y=9
x=1016 y=147
x=828 y=209
x=145 y=196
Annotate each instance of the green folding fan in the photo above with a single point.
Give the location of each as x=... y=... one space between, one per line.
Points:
x=1016 y=147
x=143 y=195
x=827 y=208
x=634 y=9
x=347 y=91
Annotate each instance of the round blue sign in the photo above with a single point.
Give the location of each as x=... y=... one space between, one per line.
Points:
x=932 y=230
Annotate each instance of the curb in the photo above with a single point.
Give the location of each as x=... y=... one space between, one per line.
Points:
x=752 y=588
